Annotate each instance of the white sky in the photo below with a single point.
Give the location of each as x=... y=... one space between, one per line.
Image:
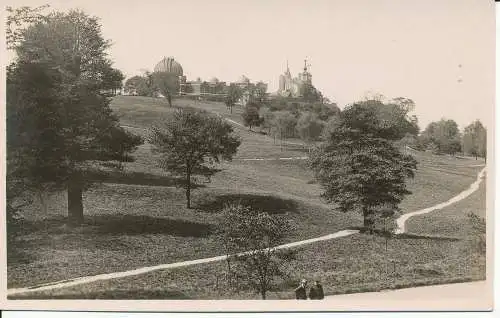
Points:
x=440 y=53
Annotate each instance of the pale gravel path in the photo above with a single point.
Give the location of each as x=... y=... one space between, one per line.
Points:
x=144 y=270
x=88 y=279
x=401 y=221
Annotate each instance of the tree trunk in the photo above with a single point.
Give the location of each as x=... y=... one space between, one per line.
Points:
x=169 y=98
x=188 y=188
x=367 y=221
x=75 y=202
x=43 y=202
x=263 y=294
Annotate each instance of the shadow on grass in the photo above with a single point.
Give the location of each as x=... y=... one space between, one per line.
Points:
x=138 y=178
x=265 y=203
x=403 y=236
x=111 y=294
x=120 y=224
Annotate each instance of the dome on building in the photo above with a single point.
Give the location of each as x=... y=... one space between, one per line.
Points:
x=169 y=65
x=214 y=80
x=243 y=79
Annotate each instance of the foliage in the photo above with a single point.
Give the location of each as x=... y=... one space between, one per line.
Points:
x=479 y=227
x=284 y=124
x=474 y=139
x=309 y=127
x=112 y=79
x=18 y=19
x=441 y=137
x=234 y=94
x=357 y=164
x=167 y=84
x=248 y=238
x=60 y=125
x=191 y=142
x=250 y=115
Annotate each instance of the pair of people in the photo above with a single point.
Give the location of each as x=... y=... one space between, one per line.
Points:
x=315 y=292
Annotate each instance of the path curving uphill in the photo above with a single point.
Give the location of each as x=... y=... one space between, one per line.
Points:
x=89 y=279
x=401 y=221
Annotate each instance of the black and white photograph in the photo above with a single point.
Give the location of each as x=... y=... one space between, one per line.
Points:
x=323 y=155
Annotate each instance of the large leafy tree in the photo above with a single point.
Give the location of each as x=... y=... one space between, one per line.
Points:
x=112 y=79
x=442 y=136
x=60 y=126
x=358 y=166
x=474 y=139
x=191 y=142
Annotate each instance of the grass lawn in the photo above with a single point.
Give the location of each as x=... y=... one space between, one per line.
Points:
x=452 y=220
x=351 y=264
x=138 y=218
x=130 y=226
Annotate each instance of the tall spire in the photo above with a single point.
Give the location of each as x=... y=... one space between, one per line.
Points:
x=287 y=69
x=305 y=65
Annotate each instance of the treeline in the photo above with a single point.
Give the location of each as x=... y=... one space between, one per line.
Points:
x=284 y=118
x=444 y=137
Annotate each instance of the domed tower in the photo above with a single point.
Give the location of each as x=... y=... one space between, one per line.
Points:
x=170 y=65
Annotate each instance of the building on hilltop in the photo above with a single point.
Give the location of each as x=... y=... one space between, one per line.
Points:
x=213 y=87
x=294 y=87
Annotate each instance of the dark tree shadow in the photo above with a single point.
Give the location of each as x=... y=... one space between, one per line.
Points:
x=120 y=224
x=265 y=203
x=137 y=178
x=142 y=224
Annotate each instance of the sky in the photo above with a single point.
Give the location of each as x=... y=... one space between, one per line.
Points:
x=439 y=53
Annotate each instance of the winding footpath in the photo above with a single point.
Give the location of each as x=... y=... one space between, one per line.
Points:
x=89 y=279
x=401 y=221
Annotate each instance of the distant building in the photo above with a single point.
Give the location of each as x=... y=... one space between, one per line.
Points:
x=294 y=87
x=212 y=87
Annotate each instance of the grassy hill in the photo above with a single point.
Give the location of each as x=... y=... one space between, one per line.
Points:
x=138 y=218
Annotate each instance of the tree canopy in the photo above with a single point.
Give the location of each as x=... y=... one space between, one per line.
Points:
x=474 y=139
x=191 y=142
x=60 y=125
x=250 y=115
x=442 y=137
x=358 y=165
x=167 y=83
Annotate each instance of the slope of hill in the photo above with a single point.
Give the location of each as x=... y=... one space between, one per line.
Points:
x=137 y=218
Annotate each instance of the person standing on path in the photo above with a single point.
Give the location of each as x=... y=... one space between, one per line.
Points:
x=316 y=291
x=300 y=292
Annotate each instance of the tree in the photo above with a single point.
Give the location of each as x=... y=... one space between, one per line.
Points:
x=309 y=127
x=358 y=166
x=267 y=118
x=251 y=117
x=167 y=83
x=284 y=125
x=133 y=84
x=112 y=79
x=60 y=125
x=191 y=142
x=18 y=19
x=248 y=237
x=474 y=139
x=444 y=135
x=234 y=94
